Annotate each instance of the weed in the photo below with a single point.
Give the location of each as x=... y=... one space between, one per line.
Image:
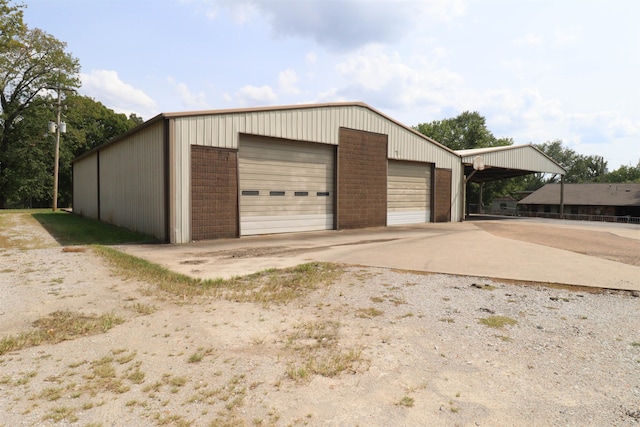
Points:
x=635 y=344
x=368 y=313
x=136 y=377
x=61 y=413
x=447 y=320
x=196 y=357
x=141 y=308
x=60 y=326
x=406 y=401
x=504 y=338
x=497 y=321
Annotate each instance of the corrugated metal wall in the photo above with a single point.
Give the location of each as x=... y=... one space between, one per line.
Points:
x=314 y=124
x=85 y=186
x=523 y=157
x=132 y=182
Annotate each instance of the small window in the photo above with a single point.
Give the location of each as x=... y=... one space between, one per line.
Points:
x=250 y=193
x=322 y=193
x=301 y=193
x=276 y=193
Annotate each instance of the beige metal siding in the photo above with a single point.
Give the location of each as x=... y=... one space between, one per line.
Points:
x=318 y=124
x=132 y=183
x=524 y=157
x=85 y=186
x=285 y=186
x=408 y=193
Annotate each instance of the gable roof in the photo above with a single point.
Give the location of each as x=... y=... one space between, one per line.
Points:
x=586 y=195
x=509 y=161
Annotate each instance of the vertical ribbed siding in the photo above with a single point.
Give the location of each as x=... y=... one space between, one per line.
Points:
x=132 y=182
x=320 y=125
x=85 y=186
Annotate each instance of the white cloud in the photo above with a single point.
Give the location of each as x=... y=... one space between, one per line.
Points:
x=393 y=81
x=106 y=87
x=529 y=40
x=253 y=96
x=565 y=36
x=345 y=24
x=188 y=98
x=311 y=58
x=287 y=82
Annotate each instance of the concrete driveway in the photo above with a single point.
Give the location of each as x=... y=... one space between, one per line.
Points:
x=451 y=248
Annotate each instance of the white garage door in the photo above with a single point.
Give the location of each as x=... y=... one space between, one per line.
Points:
x=285 y=186
x=408 y=193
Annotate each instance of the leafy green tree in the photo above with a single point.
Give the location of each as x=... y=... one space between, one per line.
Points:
x=624 y=174
x=466 y=131
x=580 y=168
x=32 y=63
x=89 y=124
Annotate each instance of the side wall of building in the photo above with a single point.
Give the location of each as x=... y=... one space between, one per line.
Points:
x=85 y=186
x=132 y=182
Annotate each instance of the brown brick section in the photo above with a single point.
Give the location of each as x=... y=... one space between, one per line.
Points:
x=214 y=193
x=362 y=179
x=443 y=195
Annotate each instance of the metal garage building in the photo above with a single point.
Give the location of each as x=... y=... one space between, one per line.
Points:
x=230 y=173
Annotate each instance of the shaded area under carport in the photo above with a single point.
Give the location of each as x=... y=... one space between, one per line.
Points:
x=497 y=163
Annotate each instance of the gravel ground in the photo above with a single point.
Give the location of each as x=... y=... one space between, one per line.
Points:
x=420 y=352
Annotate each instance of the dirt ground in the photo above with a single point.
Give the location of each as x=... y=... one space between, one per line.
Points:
x=372 y=347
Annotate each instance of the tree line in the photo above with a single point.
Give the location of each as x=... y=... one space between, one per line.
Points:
x=35 y=69
x=468 y=131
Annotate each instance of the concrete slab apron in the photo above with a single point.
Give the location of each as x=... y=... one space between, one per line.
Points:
x=460 y=248
x=474 y=252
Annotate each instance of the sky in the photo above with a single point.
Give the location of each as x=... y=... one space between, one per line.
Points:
x=537 y=70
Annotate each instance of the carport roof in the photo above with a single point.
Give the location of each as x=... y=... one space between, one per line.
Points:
x=508 y=161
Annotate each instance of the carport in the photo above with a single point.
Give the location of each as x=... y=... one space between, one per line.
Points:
x=496 y=163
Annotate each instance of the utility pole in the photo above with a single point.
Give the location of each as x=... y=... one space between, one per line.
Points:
x=59 y=127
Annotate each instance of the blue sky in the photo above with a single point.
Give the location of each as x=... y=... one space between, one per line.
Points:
x=537 y=70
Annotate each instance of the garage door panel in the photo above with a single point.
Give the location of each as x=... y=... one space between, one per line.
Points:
x=269 y=166
x=408 y=193
x=286 y=224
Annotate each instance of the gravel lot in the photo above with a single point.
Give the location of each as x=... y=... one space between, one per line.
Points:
x=422 y=353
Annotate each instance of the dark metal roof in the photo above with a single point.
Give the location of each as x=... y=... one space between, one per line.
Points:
x=586 y=195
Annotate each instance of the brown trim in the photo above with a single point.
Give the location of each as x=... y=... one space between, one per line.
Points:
x=163 y=116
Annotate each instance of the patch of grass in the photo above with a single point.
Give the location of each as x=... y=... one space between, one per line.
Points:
x=498 y=321
x=61 y=413
x=60 y=326
x=266 y=287
x=447 y=320
x=328 y=364
x=406 y=401
x=635 y=344
x=72 y=230
x=141 y=308
x=368 y=313
x=504 y=338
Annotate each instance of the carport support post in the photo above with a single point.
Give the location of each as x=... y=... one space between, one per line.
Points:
x=561 y=196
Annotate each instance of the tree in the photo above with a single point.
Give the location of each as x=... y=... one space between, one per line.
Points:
x=32 y=63
x=467 y=130
x=89 y=124
x=580 y=168
x=624 y=174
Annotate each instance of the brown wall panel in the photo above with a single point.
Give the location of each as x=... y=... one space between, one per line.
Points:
x=443 y=195
x=362 y=179
x=214 y=193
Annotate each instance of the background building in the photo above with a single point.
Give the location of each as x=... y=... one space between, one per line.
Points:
x=585 y=201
